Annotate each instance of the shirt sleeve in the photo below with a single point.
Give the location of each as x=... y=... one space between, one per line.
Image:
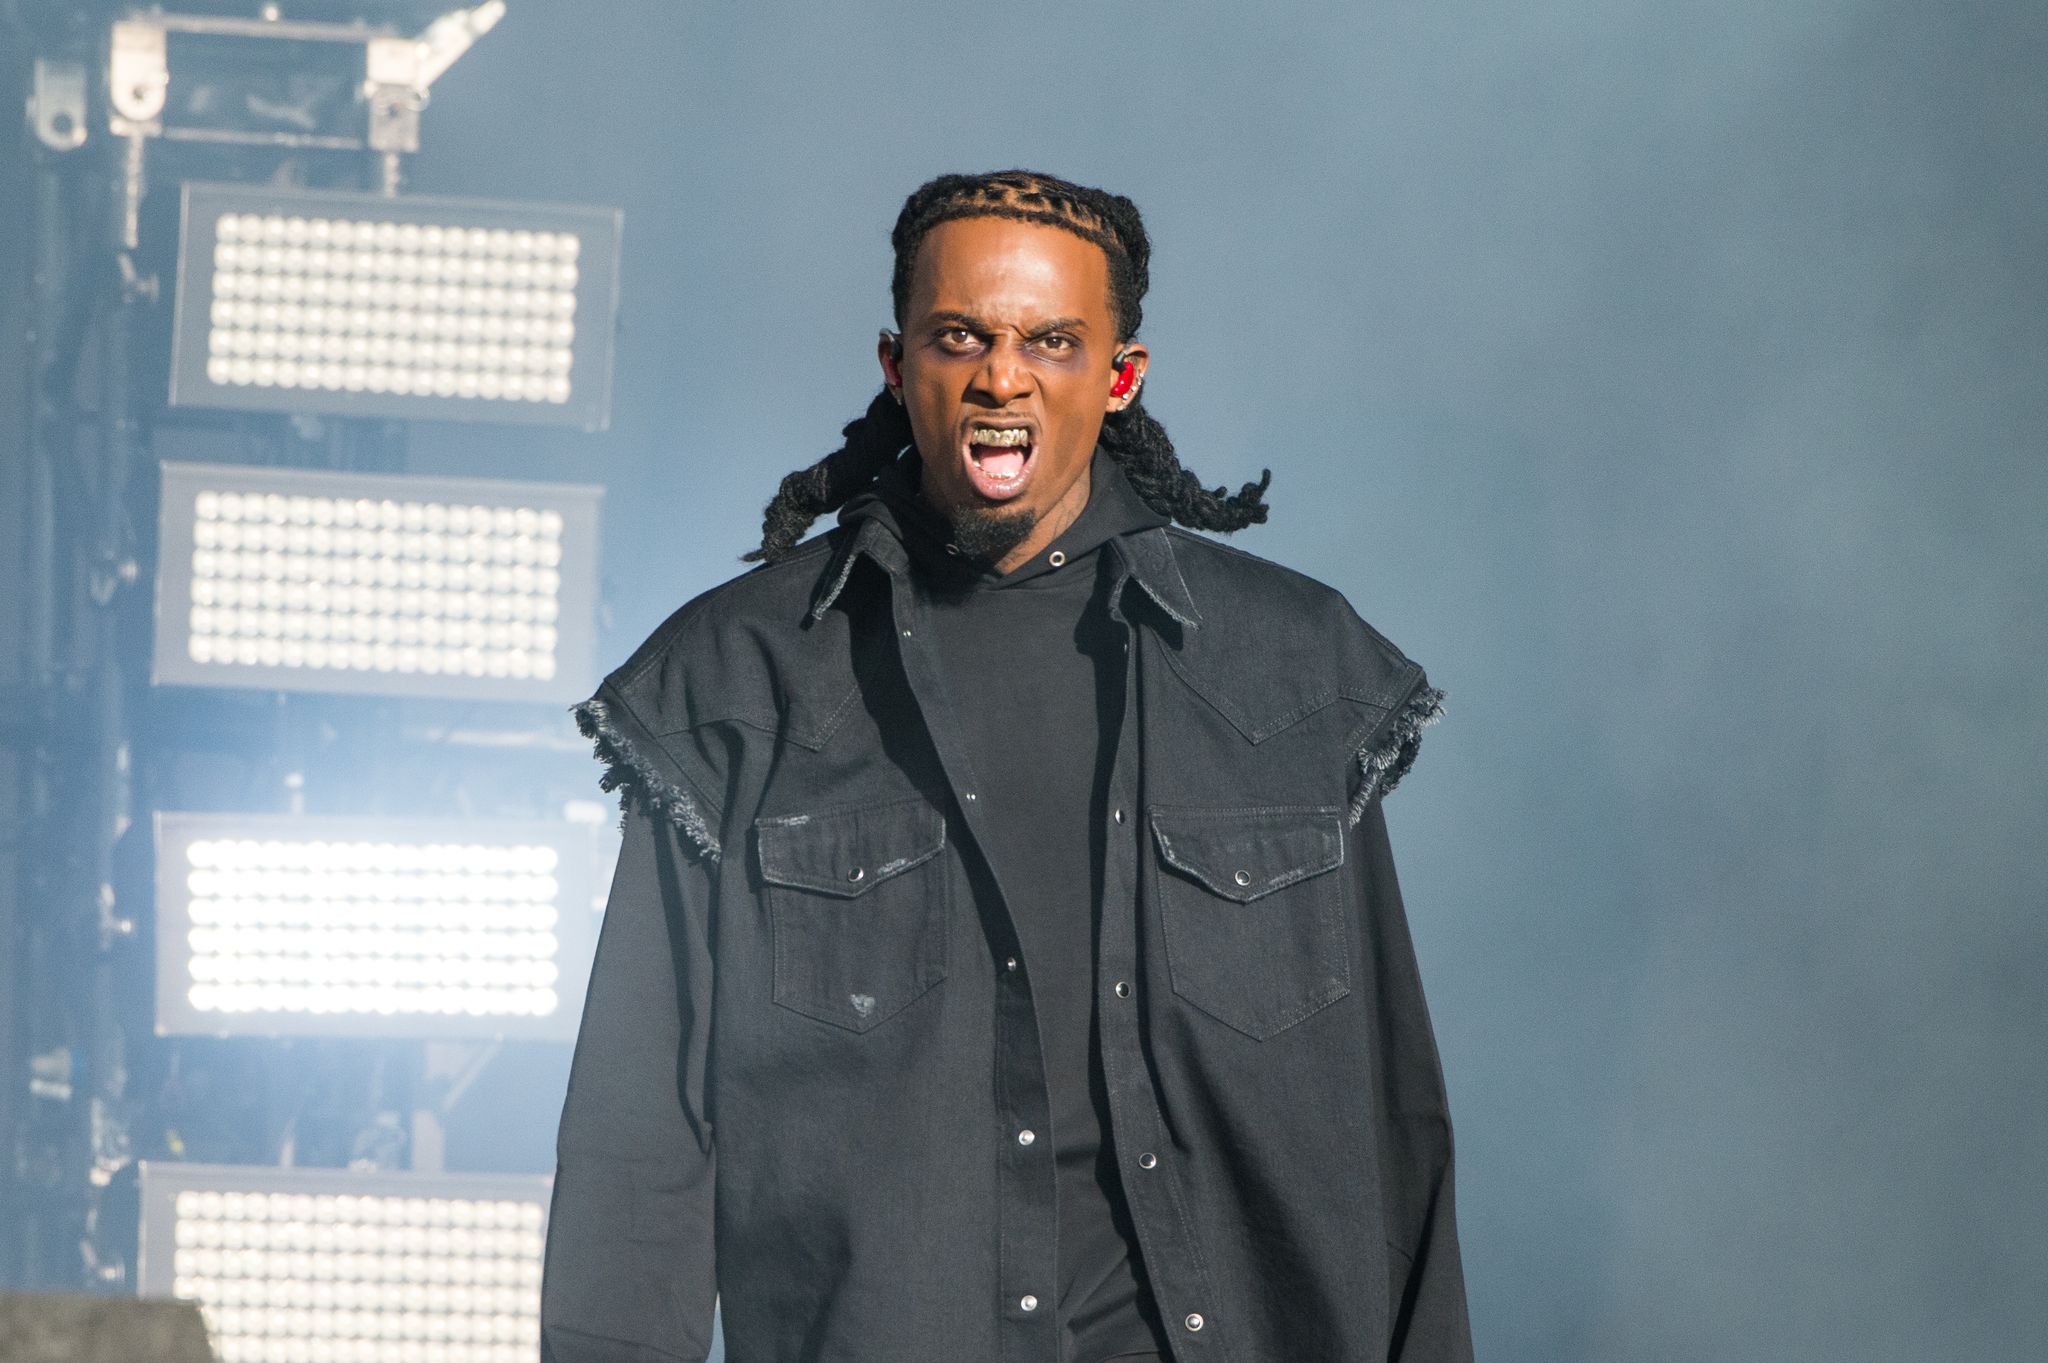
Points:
x=630 y=1276
x=1426 y=1280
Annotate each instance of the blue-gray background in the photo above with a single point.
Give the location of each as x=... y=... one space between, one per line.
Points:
x=1669 y=378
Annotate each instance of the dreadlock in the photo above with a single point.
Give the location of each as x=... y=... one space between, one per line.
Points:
x=1130 y=436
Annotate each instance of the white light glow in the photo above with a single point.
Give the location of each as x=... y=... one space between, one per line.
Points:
x=362 y=1277
x=384 y=928
x=342 y=305
x=333 y=584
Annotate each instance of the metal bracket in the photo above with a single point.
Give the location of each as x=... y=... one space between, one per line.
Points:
x=391 y=88
x=138 y=76
x=56 y=104
x=398 y=73
x=453 y=34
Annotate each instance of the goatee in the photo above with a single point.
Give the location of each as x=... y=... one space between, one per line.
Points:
x=984 y=537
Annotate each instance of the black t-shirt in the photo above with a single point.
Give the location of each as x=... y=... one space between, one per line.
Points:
x=1035 y=665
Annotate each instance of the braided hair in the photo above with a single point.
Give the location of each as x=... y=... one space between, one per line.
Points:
x=1130 y=436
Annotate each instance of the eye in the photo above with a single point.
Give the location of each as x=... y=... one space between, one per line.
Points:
x=956 y=338
x=1057 y=343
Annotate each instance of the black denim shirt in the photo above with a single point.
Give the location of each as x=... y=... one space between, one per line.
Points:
x=811 y=1048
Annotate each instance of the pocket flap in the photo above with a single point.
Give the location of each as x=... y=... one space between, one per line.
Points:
x=847 y=852
x=1243 y=854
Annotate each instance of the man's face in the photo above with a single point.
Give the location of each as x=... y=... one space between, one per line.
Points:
x=1006 y=370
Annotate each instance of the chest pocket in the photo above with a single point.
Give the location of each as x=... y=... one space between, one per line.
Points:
x=1254 y=919
x=858 y=902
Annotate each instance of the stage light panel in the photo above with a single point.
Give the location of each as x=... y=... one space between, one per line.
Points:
x=387 y=583
x=357 y=304
x=290 y=925
x=337 y=1266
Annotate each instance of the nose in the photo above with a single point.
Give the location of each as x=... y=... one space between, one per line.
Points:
x=1002 y=377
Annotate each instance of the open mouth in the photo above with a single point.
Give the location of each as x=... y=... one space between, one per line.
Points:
x=999 y=459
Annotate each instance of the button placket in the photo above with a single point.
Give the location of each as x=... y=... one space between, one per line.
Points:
x=1025 y=1215
x=1157 y=1210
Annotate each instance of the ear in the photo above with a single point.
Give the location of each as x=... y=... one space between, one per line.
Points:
x=1135 y=355
x=889 y=350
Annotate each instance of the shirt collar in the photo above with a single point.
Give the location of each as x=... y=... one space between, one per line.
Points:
x=885 y=521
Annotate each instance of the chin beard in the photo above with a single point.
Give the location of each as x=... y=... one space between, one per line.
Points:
x=984 y=537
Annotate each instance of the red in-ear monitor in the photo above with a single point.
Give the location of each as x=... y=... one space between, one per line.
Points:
x=1126 y=378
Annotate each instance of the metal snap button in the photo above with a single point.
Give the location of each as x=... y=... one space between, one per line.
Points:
x=1148 y=1160
x=1026 y=1137
x=1057 y=558
x=1118 y=816
x=1243 y=878
x=857 y=874
x=1194 y=1320
x=1011 y=965
x=1123 y=989
x=1029 y=1302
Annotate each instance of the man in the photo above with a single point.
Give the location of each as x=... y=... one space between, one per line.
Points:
x=1005 y=960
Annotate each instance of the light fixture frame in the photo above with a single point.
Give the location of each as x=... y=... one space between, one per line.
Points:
x=203 y=203
x=580 y=871
x=161 y=1182
x=576 y=624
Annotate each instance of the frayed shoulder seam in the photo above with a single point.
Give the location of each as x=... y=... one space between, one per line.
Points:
x=629 y=773
x=1382 y=764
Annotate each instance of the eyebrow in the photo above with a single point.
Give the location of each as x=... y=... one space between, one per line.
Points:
x=981 y=328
